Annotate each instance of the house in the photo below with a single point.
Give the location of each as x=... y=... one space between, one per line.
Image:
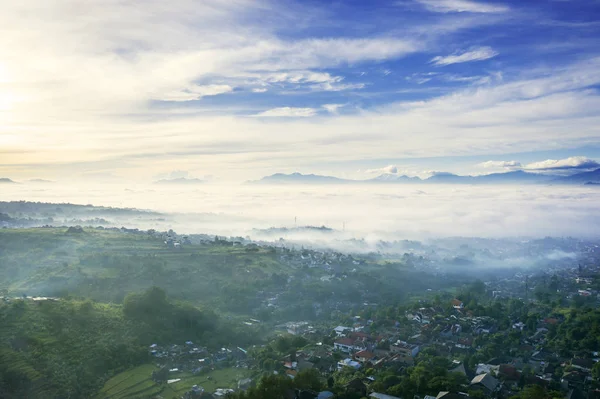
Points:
x=457 y=304
x=486 y=368
x=344 y=344
x=519 y=326
x=382 y=396
x=509 y=372
x=341 y=330
x=582 y=364
x=486 y=328
x=325 y=395
x=222 y=392
x=451 y=395
x=405 y=349
x=348 y=363
x=364 y=356
x=485 y=382
x=291 y=373
x=458 y=367
x=573 y=379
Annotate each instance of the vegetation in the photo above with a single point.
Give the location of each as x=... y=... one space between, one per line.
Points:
x=136 y=383
x=69 y=348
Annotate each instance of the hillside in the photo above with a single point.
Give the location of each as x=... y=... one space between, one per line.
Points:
x=57 y=348
x=105 y=265
x=54 y=349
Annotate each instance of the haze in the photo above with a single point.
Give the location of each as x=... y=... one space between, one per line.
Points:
x=374 y=211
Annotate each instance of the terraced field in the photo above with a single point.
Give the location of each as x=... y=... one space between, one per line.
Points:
x=136 y=383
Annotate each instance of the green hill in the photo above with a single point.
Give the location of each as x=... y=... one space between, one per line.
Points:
x=105 y=265
x=69 y=348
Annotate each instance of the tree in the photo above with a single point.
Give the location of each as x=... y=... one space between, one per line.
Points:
x=308 y=379
x=532 y=392
x=330 y=382
x=596 y=371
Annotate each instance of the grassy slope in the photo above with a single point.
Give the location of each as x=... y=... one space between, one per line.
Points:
x=65 y=347
x=136 y=383
x=106 y=265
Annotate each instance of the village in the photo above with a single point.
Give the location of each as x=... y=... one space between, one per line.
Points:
x=369 y=344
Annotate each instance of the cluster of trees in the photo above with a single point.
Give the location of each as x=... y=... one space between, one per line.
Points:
x=430 y=375
x=69 y=348
x=277 y=386
x=63 y=349
x=269 y=357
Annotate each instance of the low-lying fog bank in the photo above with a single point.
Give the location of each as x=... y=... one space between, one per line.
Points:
x=374 y=212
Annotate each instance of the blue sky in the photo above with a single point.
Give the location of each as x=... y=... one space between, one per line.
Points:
x=238 y=89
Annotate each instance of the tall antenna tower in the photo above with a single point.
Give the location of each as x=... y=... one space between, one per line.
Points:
x=526 y=287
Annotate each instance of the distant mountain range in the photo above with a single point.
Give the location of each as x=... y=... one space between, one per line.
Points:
x=7 y=180
x=582 y=178
x=39 y=181
x=515 y=177
x=181 y=180
x=299 y=178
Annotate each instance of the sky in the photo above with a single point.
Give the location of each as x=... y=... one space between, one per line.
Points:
x=236 y=89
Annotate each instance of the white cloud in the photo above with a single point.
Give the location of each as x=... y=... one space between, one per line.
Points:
x=391 y=169
x=195 y=92
x=571 y=163
x=476 y=54
x=500 y=164
x=332 y=108
x=447 y=6
x=327 y=86
x=288 y=112
x=259 y=90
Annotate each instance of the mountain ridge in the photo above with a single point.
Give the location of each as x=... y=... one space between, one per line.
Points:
x=512 y=177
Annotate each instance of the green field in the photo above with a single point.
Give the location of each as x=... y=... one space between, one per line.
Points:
x=106 y=265
x=136 y=383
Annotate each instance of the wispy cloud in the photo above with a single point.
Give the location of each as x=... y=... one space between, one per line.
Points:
x=567 y=164
x=391 y=169
x=288 y=112
x=500 y=164
x=476 y=54
x=447 y=6
x=559 y=166
x=194 y=92
x=332 y=108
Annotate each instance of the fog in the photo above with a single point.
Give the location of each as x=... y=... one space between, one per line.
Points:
x=390 y=212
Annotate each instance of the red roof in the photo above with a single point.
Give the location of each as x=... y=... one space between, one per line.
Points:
x=550 y=320
x=345 y=341
x=509 y=371
x=365 y=354
x=360 y=335
x=456 y=302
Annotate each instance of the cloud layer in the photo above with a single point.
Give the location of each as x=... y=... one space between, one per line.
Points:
x=394 y=212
